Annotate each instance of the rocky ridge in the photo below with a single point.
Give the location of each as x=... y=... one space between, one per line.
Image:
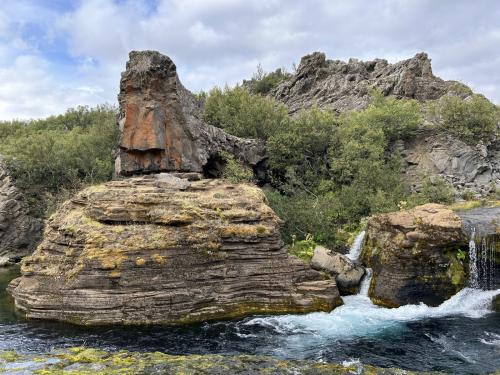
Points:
x=342 y=86
x=19 y=231
x=161 y=125
x=161 y=249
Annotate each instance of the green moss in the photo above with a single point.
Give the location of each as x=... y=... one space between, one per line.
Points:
x=9 y=356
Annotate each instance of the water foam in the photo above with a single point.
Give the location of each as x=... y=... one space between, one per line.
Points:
x=359 y=317
x=355 y=250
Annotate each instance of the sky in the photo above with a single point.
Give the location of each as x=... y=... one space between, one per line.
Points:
x=57 y=54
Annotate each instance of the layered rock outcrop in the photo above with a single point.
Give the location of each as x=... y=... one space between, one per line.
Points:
x=161 y=249
x=19 y=231
x=340 y=86
x=161 y=123
x=414 y=256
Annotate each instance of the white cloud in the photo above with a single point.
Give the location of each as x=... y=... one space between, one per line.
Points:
x=214 y=42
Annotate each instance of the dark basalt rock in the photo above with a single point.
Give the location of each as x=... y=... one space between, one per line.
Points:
x=20 y=232
x=161 y=125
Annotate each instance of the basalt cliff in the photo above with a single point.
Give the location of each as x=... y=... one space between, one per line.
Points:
x=166 y=248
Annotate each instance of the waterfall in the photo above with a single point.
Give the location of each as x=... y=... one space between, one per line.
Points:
x=355 y=250
x=365 y=283
x=473 y=272
x=482 y=261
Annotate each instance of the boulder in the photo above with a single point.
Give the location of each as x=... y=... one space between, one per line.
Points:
x=347 y=274
x=20 y=232
x=161 y=249
x=414 y=256
x=161 y=123
x=342 y=86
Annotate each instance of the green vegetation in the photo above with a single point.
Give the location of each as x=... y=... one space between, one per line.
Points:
x=52 y=158
x=262 y=82
x=234 y=170
x=326 y=172
x=473 y=120
x=243 y=114
x=303 y=249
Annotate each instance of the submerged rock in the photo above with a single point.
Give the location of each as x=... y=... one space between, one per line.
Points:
x=160 y=249
x=161 y=123
x=347 y=274
x=414 y=256
x=95 y=361
x=19 y=231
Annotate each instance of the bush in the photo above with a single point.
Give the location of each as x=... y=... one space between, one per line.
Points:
x=50 y=157
x=234 y=170
x=436 y=189
x=243 y=114
x=472 y=120
x=262 y=83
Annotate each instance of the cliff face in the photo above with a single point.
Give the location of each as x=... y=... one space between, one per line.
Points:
x=161 y=126
x=341 y=86
x=19 y=231
x=161 y=249
x=465 y=167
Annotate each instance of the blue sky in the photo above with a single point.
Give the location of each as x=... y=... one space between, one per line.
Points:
x=56 y=54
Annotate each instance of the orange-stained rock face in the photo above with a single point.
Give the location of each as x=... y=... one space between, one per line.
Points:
x=161 y=123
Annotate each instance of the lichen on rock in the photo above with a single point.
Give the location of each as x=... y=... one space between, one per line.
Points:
x=413 y=254
x=160 y=249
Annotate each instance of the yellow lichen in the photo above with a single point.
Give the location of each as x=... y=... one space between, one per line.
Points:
x=139 y=262
x=160 y=259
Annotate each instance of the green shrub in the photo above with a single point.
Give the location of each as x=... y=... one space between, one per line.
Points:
x=234 y=170
x=436 y=189
x=262 y=83
x=51 y=157
x=243 y=114
x=472 y=120
x=303 y=249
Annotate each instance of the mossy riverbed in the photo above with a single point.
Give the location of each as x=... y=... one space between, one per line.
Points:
x=81 y=361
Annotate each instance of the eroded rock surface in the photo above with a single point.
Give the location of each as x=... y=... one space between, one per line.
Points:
x=414 y=256
x=342 y=86
x=160 y=249
x=465 y=167
x=161 y=125
x=19 y=231
x=347 y=274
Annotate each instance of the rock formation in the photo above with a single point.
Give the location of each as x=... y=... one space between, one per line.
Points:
x=465 y=167
x=19 y=231
x=161 y=125
x=414 y=256
x=341 y=86
x=160 y=249
x=347 y=274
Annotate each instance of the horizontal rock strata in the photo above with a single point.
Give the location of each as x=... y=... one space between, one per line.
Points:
x=160 y=249
x=414 y=256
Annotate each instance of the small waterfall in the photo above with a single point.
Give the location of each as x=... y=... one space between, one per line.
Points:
x=482 y=261
x=365 y=283
x=474 y=277
x=355 y=250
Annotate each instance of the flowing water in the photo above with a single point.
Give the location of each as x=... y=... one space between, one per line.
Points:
x=355 y=250
x=461 y=336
